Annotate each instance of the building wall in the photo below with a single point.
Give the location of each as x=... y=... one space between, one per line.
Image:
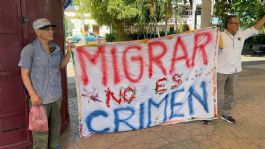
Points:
x=84 y=24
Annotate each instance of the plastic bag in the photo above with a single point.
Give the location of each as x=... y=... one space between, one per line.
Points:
x=38 y=119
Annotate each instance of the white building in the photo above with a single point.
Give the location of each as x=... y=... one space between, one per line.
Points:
x=189 y=16
x=83 y=25
x=183 y=14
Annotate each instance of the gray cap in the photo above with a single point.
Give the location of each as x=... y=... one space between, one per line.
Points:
x=41 y=23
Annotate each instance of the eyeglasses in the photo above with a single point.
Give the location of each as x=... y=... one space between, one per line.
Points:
x=236 y=23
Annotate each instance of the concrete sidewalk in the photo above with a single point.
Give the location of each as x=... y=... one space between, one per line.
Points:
x=247 y=133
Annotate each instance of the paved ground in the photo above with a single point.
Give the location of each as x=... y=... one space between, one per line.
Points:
x=248 y=133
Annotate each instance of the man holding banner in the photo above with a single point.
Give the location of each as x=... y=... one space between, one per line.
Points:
x=229 y=62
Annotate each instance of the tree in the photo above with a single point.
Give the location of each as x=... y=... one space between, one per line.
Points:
x=248 y=11
x=124 y=16
x=119 y=15
x=167 y=10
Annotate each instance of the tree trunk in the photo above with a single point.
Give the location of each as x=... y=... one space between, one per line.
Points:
x=166 y=27
x=206 y=13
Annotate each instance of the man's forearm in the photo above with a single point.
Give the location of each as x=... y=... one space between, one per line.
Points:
x=65 y=60
x=259 y=24
x=27 y=82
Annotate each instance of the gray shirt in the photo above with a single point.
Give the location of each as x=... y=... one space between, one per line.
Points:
x=44 y=70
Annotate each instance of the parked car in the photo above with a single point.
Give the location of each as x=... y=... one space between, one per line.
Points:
x=73 y=39
x=256 y=43
x=87 y=38
x=92 y=37
x=258 y=48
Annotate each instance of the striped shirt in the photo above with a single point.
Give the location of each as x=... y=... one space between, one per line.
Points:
x=44 y=70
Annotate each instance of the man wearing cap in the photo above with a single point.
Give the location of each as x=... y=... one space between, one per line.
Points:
x=40 y=64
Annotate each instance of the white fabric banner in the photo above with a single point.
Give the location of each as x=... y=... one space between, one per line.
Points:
x=139 y=84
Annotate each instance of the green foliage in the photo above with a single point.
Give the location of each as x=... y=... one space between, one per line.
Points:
x=248 y=11
x=119 y=15
x=68 y=26
x=110 y=37
x=125 y=17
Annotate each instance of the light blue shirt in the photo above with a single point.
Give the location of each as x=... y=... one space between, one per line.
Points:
x=44 y=70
